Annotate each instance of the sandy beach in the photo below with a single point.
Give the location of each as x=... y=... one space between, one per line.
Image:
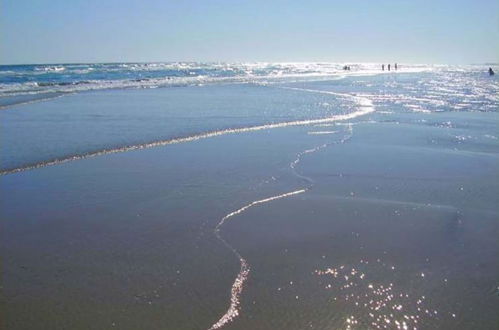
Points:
x=352 y=205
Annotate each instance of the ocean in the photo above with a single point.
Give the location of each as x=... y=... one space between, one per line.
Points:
x=249 y=196
x=122 y=116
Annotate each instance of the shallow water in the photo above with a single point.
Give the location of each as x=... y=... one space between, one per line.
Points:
x=88 y=124
x=388 y=236
x=21 y=83
x=307 y=182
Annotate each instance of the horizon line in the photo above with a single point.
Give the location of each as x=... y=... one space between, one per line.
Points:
x=236 y=62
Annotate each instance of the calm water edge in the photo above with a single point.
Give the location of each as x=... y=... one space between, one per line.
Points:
x=249 y=196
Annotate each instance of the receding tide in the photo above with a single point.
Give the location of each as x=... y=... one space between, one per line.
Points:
x=249 y=196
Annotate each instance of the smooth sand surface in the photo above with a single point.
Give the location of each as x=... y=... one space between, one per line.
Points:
x=127 y=240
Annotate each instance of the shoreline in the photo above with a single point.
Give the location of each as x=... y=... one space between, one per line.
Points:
x=169 y=82
x=364 y=105
x=396 y=211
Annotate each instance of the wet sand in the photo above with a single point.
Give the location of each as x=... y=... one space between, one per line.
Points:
x=398 y=219
x=390 y=235
x=128 y=239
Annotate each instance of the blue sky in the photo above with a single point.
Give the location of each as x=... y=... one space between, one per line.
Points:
x=438 y=31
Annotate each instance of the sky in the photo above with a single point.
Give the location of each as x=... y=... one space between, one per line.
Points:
x=417 y=31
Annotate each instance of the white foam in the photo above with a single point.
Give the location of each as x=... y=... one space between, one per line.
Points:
x=180 y=74
x=237 y=286
x=362 y=111
x=363 y=102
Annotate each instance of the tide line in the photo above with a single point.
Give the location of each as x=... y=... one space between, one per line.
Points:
x=362 y=101
x=237 y=286
x=363 y=111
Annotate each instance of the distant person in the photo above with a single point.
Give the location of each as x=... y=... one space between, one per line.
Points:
x=382 y=67
x=491 y=72
x=396 y=67
x=388 y=67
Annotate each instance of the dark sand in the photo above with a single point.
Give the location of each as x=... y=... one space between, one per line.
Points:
x=127 y=240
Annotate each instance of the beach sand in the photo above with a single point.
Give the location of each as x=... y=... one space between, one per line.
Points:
x=396 y=220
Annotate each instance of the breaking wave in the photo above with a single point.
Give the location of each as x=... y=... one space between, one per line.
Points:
x=25 y=80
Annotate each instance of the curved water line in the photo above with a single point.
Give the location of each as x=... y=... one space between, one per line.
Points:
x=237 y=287
x=159 y=143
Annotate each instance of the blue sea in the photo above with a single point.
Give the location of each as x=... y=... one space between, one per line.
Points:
x=105 y=107
x=249 y=196
x=21 y=83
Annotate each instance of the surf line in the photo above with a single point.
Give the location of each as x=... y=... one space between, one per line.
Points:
x=293 y=164
x=361 y=101
x=237 y=287
x=363 y=111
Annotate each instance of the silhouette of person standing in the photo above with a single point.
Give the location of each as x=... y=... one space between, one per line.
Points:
x=396 y=66
x=382 y=67
x=388 y=67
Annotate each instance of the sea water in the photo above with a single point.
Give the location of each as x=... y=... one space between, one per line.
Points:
x=297 y=196
x=220 y=97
